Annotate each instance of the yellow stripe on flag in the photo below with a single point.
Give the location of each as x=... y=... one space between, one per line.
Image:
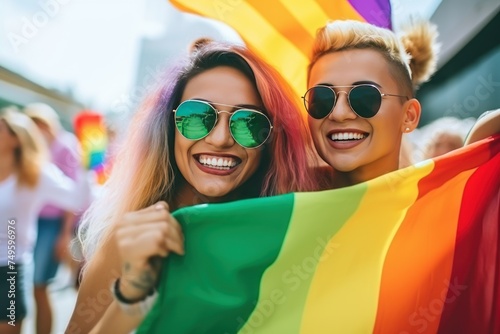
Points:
x=339 y=10
x=344 y=292
x=309 y=14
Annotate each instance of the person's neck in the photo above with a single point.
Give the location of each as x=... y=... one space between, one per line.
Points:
x=360 y=175
x=7 y=165
x=187 y=196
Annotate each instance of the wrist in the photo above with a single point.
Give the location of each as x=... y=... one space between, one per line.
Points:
x=129 y=291
x=138 y=307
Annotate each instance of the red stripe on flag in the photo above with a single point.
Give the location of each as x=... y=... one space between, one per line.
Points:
x=473 y=300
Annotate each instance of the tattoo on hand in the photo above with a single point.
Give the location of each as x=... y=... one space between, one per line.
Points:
x=139 y=285
x=148 y=278
x=144 y=282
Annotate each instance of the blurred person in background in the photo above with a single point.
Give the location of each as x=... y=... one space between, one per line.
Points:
x=27 y=182
x=444 y=135
x=55 y=226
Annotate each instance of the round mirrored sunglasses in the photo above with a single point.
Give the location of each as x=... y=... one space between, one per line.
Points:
x=195 y=119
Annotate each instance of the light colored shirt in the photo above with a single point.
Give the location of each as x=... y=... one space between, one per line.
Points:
x=20 y=205
x=64 y=152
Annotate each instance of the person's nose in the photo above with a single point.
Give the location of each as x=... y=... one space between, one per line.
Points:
x=342 y=110
x=220 y=136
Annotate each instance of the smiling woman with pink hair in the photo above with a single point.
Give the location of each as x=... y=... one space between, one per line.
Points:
x=221 y=127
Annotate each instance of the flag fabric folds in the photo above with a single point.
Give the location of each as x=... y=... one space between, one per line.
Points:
x=413 y=251
x=282 y=32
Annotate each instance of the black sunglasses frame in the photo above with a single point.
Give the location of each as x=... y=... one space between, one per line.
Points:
x=348 y=93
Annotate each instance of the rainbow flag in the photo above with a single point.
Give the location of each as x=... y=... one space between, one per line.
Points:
x=282 y=32
x=413 y=251
x=91 y=133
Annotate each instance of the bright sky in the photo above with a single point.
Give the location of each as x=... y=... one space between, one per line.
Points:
x=91 y=47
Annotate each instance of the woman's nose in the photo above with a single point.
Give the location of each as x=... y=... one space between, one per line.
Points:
x=342 y=110
x=220 y=136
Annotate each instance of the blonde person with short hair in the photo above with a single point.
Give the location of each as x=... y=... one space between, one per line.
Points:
x=362 y=80
x=361 y=100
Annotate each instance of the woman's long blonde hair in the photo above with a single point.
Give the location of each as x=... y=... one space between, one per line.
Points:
x=31 y=153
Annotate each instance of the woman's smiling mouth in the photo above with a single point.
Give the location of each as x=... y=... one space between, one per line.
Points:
x=217 y=162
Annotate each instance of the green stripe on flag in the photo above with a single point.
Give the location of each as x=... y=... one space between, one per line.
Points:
x=286 y=283
x=218 y=280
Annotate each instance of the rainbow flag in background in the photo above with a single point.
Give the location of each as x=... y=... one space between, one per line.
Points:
x=413 y=251
x=91 y=132
x=282 y=32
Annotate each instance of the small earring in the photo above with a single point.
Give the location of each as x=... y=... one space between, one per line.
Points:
x=407 y=130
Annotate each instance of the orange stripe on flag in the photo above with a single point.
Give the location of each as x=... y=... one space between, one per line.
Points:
x=420 y=294
x=339 y=10
x=285 y=23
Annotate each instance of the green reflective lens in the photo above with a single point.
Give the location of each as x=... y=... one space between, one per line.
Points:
x=195 y=119
x=249 y=128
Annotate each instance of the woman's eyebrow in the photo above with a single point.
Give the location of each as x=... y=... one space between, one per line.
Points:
x=367 y=82
x=363 y=82
x=249 y=106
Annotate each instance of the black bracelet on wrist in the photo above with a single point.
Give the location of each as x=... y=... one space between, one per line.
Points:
x=139 y=307
x=122 y=299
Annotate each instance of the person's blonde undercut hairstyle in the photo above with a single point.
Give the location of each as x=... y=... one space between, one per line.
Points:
x=412 y=54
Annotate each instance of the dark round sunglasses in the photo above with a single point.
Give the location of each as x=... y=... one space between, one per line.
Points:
x=364 y=100
x=195 y=119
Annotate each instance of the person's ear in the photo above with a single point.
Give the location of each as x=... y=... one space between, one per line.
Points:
x=412 y=111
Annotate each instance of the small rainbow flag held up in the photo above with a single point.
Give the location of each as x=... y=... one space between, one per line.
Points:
x=282 y=32
x=91 y=132
x=413 y=251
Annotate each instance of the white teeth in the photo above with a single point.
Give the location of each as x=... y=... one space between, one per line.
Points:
x=217 y=163
x=347 y=136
